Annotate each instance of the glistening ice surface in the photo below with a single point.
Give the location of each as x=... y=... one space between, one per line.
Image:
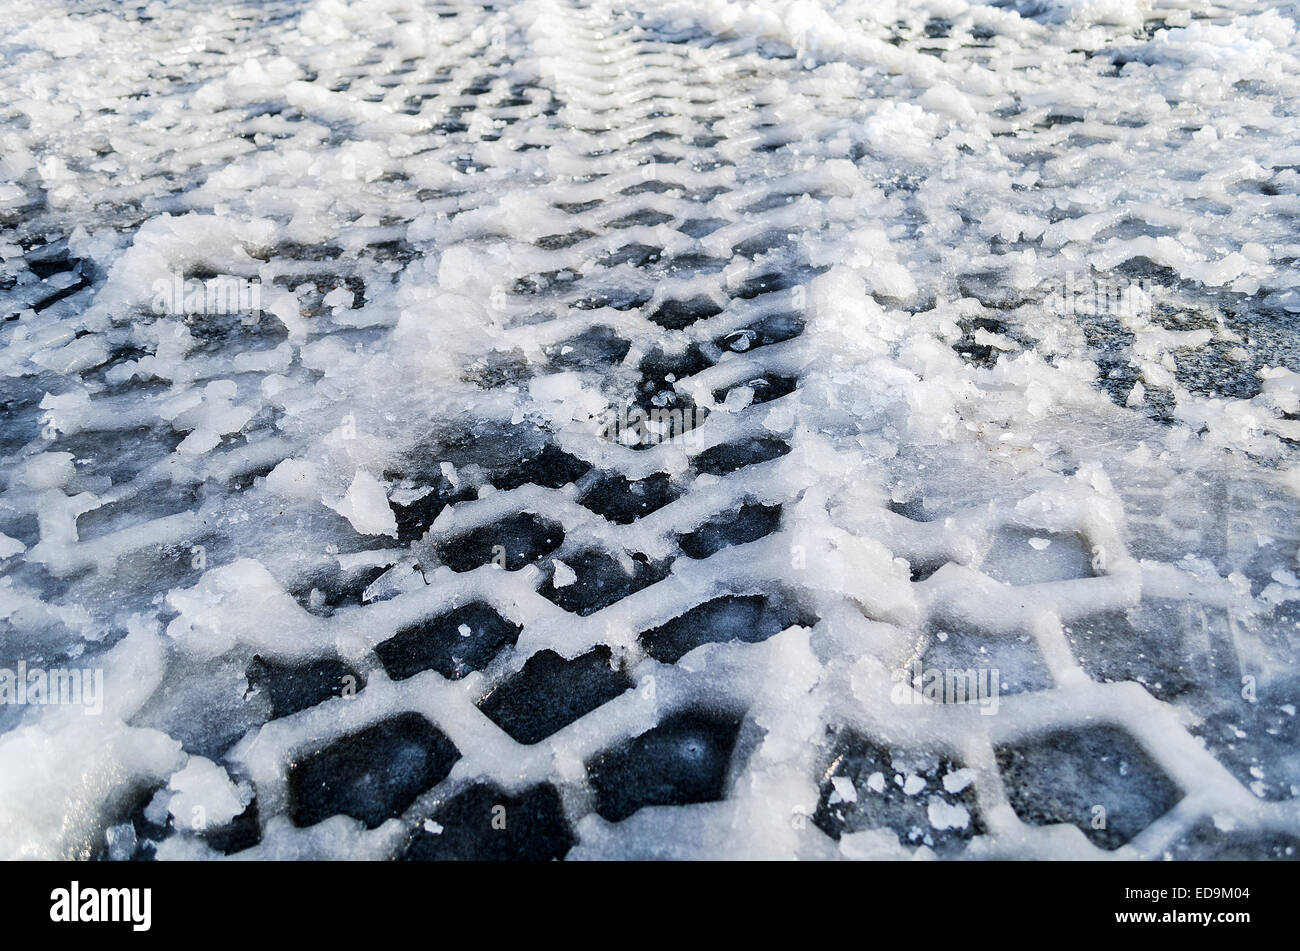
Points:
x=648 y=414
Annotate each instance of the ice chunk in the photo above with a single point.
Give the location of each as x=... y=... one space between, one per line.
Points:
x=294 y=478
x=564 y=575
x=958 y=779
x=366 y=506
x=203 y=795
x=944 y=815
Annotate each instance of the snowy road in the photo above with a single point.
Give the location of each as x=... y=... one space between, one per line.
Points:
x=694 y=429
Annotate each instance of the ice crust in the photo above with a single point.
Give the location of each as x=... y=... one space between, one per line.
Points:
x=365 y=565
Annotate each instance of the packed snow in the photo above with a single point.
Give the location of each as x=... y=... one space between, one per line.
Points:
x=618 y=404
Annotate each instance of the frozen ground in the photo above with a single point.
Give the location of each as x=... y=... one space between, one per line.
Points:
x=365 y=573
